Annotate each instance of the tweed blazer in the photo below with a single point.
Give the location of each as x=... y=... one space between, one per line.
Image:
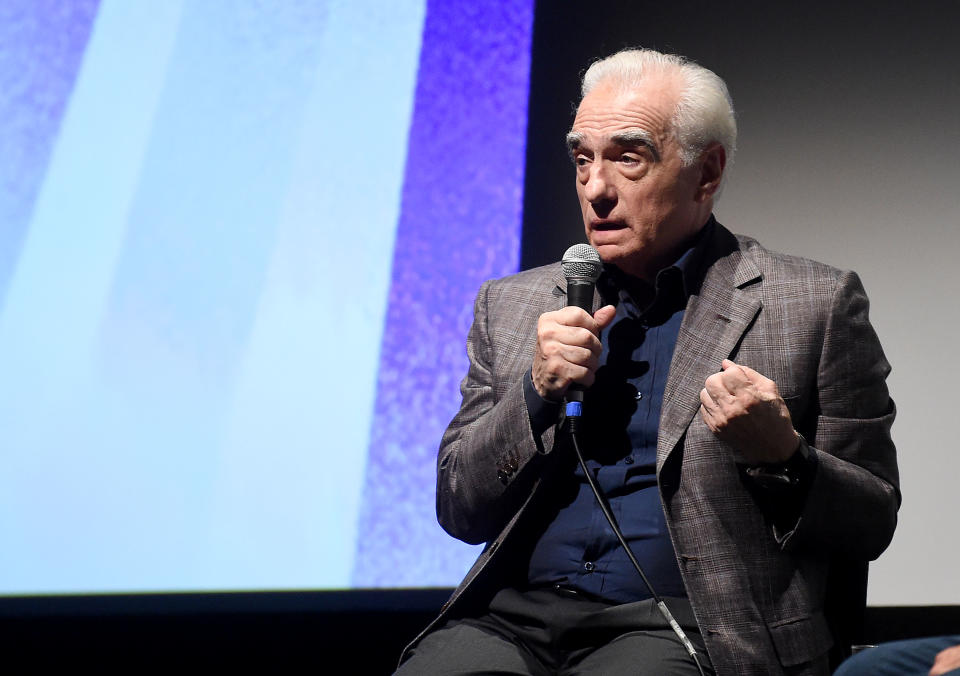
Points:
x=758 y=593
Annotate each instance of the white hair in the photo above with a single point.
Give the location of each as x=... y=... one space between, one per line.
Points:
x=704 y=113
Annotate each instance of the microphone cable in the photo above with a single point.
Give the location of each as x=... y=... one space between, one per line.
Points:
x=574 y=409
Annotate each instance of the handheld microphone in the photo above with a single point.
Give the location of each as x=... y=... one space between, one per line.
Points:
x=582 y=267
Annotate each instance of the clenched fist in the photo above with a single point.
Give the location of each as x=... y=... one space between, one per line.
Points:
x=744 y=408
x=568 y=349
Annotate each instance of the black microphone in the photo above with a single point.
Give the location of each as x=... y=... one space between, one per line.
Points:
x=582 y=267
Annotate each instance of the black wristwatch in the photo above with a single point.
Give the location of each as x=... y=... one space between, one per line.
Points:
x=796 y=471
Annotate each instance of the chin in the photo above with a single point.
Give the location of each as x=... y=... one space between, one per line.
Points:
x=628 y=260
x=611 y=253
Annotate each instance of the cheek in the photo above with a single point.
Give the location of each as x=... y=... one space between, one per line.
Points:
x=585 y=210
x=655 y=200
x=643 y=204
x=580 y=197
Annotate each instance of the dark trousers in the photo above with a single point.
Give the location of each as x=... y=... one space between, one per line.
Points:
x=549 y=631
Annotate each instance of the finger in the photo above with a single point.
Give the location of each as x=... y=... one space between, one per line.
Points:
x=750 y=374
x=582 y=373
x=578 y=356
x=552 y=375
x=711 y=413
x=573 y=316
x=734 y=378
x=707 y=403
x=549 y=329
x=705 y=415
x=588 y=378
x=604 y=316
x=717 y=390
x=708 y=412
x=576 y=336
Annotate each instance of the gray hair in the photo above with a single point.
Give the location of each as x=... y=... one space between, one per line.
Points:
x=704 y=113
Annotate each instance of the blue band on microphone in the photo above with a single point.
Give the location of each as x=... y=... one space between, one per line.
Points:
x=574 y=409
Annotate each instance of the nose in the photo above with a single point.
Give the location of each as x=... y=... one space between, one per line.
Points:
x=597 y=187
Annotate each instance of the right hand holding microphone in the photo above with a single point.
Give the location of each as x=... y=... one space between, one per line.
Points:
x=568 y=349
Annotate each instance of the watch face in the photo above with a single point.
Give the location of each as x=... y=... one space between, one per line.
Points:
x=772 y=477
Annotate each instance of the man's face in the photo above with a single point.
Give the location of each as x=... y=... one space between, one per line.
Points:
x=640 y=204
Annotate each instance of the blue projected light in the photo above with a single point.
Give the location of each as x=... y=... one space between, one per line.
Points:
x=215 y=277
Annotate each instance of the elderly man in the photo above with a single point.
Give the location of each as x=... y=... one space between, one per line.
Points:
x=736 y=420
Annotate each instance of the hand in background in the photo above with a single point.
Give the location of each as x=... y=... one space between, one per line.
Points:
x=947 y=660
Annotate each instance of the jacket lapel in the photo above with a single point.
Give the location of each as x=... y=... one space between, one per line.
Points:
x=713 y=324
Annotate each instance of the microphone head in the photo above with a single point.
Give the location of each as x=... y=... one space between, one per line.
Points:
x=582 y=261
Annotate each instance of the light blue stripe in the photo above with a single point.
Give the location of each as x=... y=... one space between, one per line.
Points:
x=56 y=297
x=64 y=273
x=306 y=392
x=187 y=289
x=135 y=353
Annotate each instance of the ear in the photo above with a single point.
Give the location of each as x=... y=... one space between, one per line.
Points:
x=713 y=160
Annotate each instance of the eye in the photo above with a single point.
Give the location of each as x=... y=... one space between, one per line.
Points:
x=630 y=159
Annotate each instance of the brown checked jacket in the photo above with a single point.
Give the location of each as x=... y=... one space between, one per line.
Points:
x=758 y=593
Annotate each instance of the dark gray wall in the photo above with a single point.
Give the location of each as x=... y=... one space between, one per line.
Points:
x=849 y=134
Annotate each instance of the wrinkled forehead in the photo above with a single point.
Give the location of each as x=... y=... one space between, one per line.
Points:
x=611 y=112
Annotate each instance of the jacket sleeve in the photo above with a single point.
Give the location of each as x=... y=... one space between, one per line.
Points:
x=852 y=504
x=489 y=454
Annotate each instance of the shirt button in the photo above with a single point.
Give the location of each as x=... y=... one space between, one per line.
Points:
x=589 y=566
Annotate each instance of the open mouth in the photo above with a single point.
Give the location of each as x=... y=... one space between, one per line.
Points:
x=606 y=225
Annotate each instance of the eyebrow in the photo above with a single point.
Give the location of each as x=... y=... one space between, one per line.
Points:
x=574 y=139
x=627 y=137
x=636 y=137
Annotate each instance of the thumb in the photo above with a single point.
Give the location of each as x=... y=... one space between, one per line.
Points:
x=604 y=316
x=727 y=364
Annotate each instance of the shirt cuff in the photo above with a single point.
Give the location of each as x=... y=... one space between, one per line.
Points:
x=543 y=412
x=782 y=488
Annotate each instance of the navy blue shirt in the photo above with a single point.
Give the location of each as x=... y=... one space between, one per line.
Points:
x=574 y=545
